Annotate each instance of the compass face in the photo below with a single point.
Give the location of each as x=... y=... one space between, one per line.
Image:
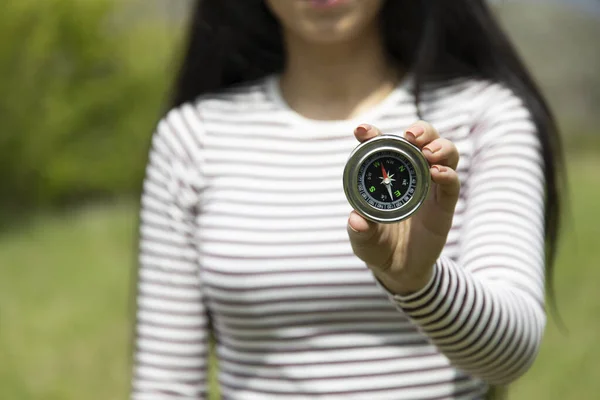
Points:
x=386 y=180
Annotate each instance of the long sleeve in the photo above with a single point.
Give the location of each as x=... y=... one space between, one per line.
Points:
x=484 y=309
x=170 y=359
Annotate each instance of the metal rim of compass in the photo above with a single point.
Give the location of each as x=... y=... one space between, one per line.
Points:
x=369 y=148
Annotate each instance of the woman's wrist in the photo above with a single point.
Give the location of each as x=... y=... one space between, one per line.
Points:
x=405 y=284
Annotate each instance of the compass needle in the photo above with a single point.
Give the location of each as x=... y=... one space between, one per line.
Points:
x=389 y=189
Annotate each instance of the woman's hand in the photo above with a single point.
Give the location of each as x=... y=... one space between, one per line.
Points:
x=402 y=255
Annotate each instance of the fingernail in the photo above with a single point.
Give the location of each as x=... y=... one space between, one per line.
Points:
x=362 y=129
x=416 y=130
x=431 y=148
x=439 y=168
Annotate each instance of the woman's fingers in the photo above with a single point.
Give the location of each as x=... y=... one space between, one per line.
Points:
x=365 y=132
x=436 y=150
x=447 y=187
x=443 y=157
x=421 y=134
x=442 y=152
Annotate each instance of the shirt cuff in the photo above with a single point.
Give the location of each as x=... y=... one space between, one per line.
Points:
x=418 y=299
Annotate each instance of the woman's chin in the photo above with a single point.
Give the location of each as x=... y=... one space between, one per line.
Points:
x=326 y=21
x=330 y=32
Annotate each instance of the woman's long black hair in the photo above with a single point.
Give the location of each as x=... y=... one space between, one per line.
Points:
x=234 y=41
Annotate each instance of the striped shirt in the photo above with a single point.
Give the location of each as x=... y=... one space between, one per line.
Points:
x=243 y=236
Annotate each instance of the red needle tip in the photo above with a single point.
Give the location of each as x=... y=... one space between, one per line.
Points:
x=385 y=176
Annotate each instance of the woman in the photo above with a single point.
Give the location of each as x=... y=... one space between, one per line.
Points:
x=246 y=234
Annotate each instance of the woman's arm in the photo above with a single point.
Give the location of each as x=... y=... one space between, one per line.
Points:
x=171 y=344
x=485 y=312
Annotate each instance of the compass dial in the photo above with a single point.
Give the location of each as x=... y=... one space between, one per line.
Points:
x=386 y=179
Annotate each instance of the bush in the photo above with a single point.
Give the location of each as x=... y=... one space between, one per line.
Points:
x=82 y=86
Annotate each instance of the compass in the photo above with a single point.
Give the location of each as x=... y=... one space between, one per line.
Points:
x=386 y=179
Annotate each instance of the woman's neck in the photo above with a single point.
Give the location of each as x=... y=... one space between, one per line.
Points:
x=337 y=81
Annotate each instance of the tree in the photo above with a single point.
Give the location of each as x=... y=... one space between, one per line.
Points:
x=81 y=90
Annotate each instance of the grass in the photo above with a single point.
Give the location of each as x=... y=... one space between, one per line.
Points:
x=65 y=304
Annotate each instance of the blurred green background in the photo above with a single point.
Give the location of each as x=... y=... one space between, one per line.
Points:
x=83 y=83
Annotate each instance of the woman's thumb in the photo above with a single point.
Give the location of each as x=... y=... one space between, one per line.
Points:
x=360 y=230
